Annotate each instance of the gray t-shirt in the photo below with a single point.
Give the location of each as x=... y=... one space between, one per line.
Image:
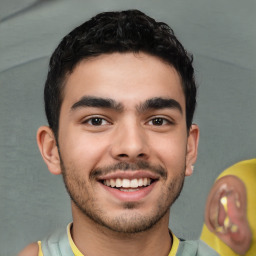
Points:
x=57 y=244
x=195 y=248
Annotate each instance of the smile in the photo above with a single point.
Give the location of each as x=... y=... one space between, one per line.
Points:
x=128 y=185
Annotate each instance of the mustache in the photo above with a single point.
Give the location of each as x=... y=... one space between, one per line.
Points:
x=124 y=166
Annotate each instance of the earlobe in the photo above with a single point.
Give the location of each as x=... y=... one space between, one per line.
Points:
x=192 y=146
x=48 y=148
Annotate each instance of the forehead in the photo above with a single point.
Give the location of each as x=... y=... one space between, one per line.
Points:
x=125 y=77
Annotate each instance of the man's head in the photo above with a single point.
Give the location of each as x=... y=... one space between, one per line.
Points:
x=126 y=31
x=125 y=143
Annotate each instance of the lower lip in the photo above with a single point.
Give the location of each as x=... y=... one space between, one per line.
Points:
x=131 y=196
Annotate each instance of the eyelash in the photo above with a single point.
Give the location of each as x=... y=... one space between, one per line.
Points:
x=90 y=120
x=102 y=121
x=164 y=121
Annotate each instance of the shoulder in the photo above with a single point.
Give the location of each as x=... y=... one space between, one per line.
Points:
x=30 y=250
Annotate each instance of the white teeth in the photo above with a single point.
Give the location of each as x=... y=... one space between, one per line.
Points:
x=126 y=183
x=128 y=189
x=112 y=183
x=118 y=183
x=134 y=183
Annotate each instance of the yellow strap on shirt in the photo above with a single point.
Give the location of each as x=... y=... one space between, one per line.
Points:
x=175 y=245
x=40 y=252
x=71 y=242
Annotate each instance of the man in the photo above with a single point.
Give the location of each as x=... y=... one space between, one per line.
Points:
x=119 y=98
x=230 y=225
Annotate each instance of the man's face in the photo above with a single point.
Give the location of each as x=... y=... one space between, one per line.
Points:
x=123 y=140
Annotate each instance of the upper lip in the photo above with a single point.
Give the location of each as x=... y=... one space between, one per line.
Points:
x=129 y=175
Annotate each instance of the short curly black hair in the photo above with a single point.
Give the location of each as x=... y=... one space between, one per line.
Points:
x=110 y=32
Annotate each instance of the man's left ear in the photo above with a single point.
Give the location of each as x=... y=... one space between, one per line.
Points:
x=192 y=146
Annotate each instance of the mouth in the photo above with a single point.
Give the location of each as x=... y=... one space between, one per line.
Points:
x=128 y=185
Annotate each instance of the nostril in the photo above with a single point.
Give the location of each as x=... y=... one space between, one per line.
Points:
x=123 y=155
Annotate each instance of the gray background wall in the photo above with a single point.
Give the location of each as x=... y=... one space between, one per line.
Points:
x=222 y=36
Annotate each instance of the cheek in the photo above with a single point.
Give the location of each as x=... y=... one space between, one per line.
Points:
x=83 y=149
x=170 y=149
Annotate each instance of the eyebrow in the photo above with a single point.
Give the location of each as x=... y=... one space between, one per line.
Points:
x=159 y=103
x=97 y=102
x=153 y=103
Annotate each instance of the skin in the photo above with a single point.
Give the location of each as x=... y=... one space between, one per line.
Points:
x=132 y=131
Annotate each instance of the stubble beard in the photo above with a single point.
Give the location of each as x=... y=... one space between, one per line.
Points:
x=130 y=221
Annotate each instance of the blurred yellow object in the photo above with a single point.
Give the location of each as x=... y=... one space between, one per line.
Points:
x=246 y=172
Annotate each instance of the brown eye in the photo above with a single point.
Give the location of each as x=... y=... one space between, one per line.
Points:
x=96 y=121
x=158 y=121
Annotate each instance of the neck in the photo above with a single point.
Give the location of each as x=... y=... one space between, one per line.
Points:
x=93 y=239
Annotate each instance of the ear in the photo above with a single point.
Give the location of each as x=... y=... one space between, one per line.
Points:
x=192 y=146
x=226 y=215
x=49 y=150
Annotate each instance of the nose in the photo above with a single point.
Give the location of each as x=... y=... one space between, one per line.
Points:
x=130 y=143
